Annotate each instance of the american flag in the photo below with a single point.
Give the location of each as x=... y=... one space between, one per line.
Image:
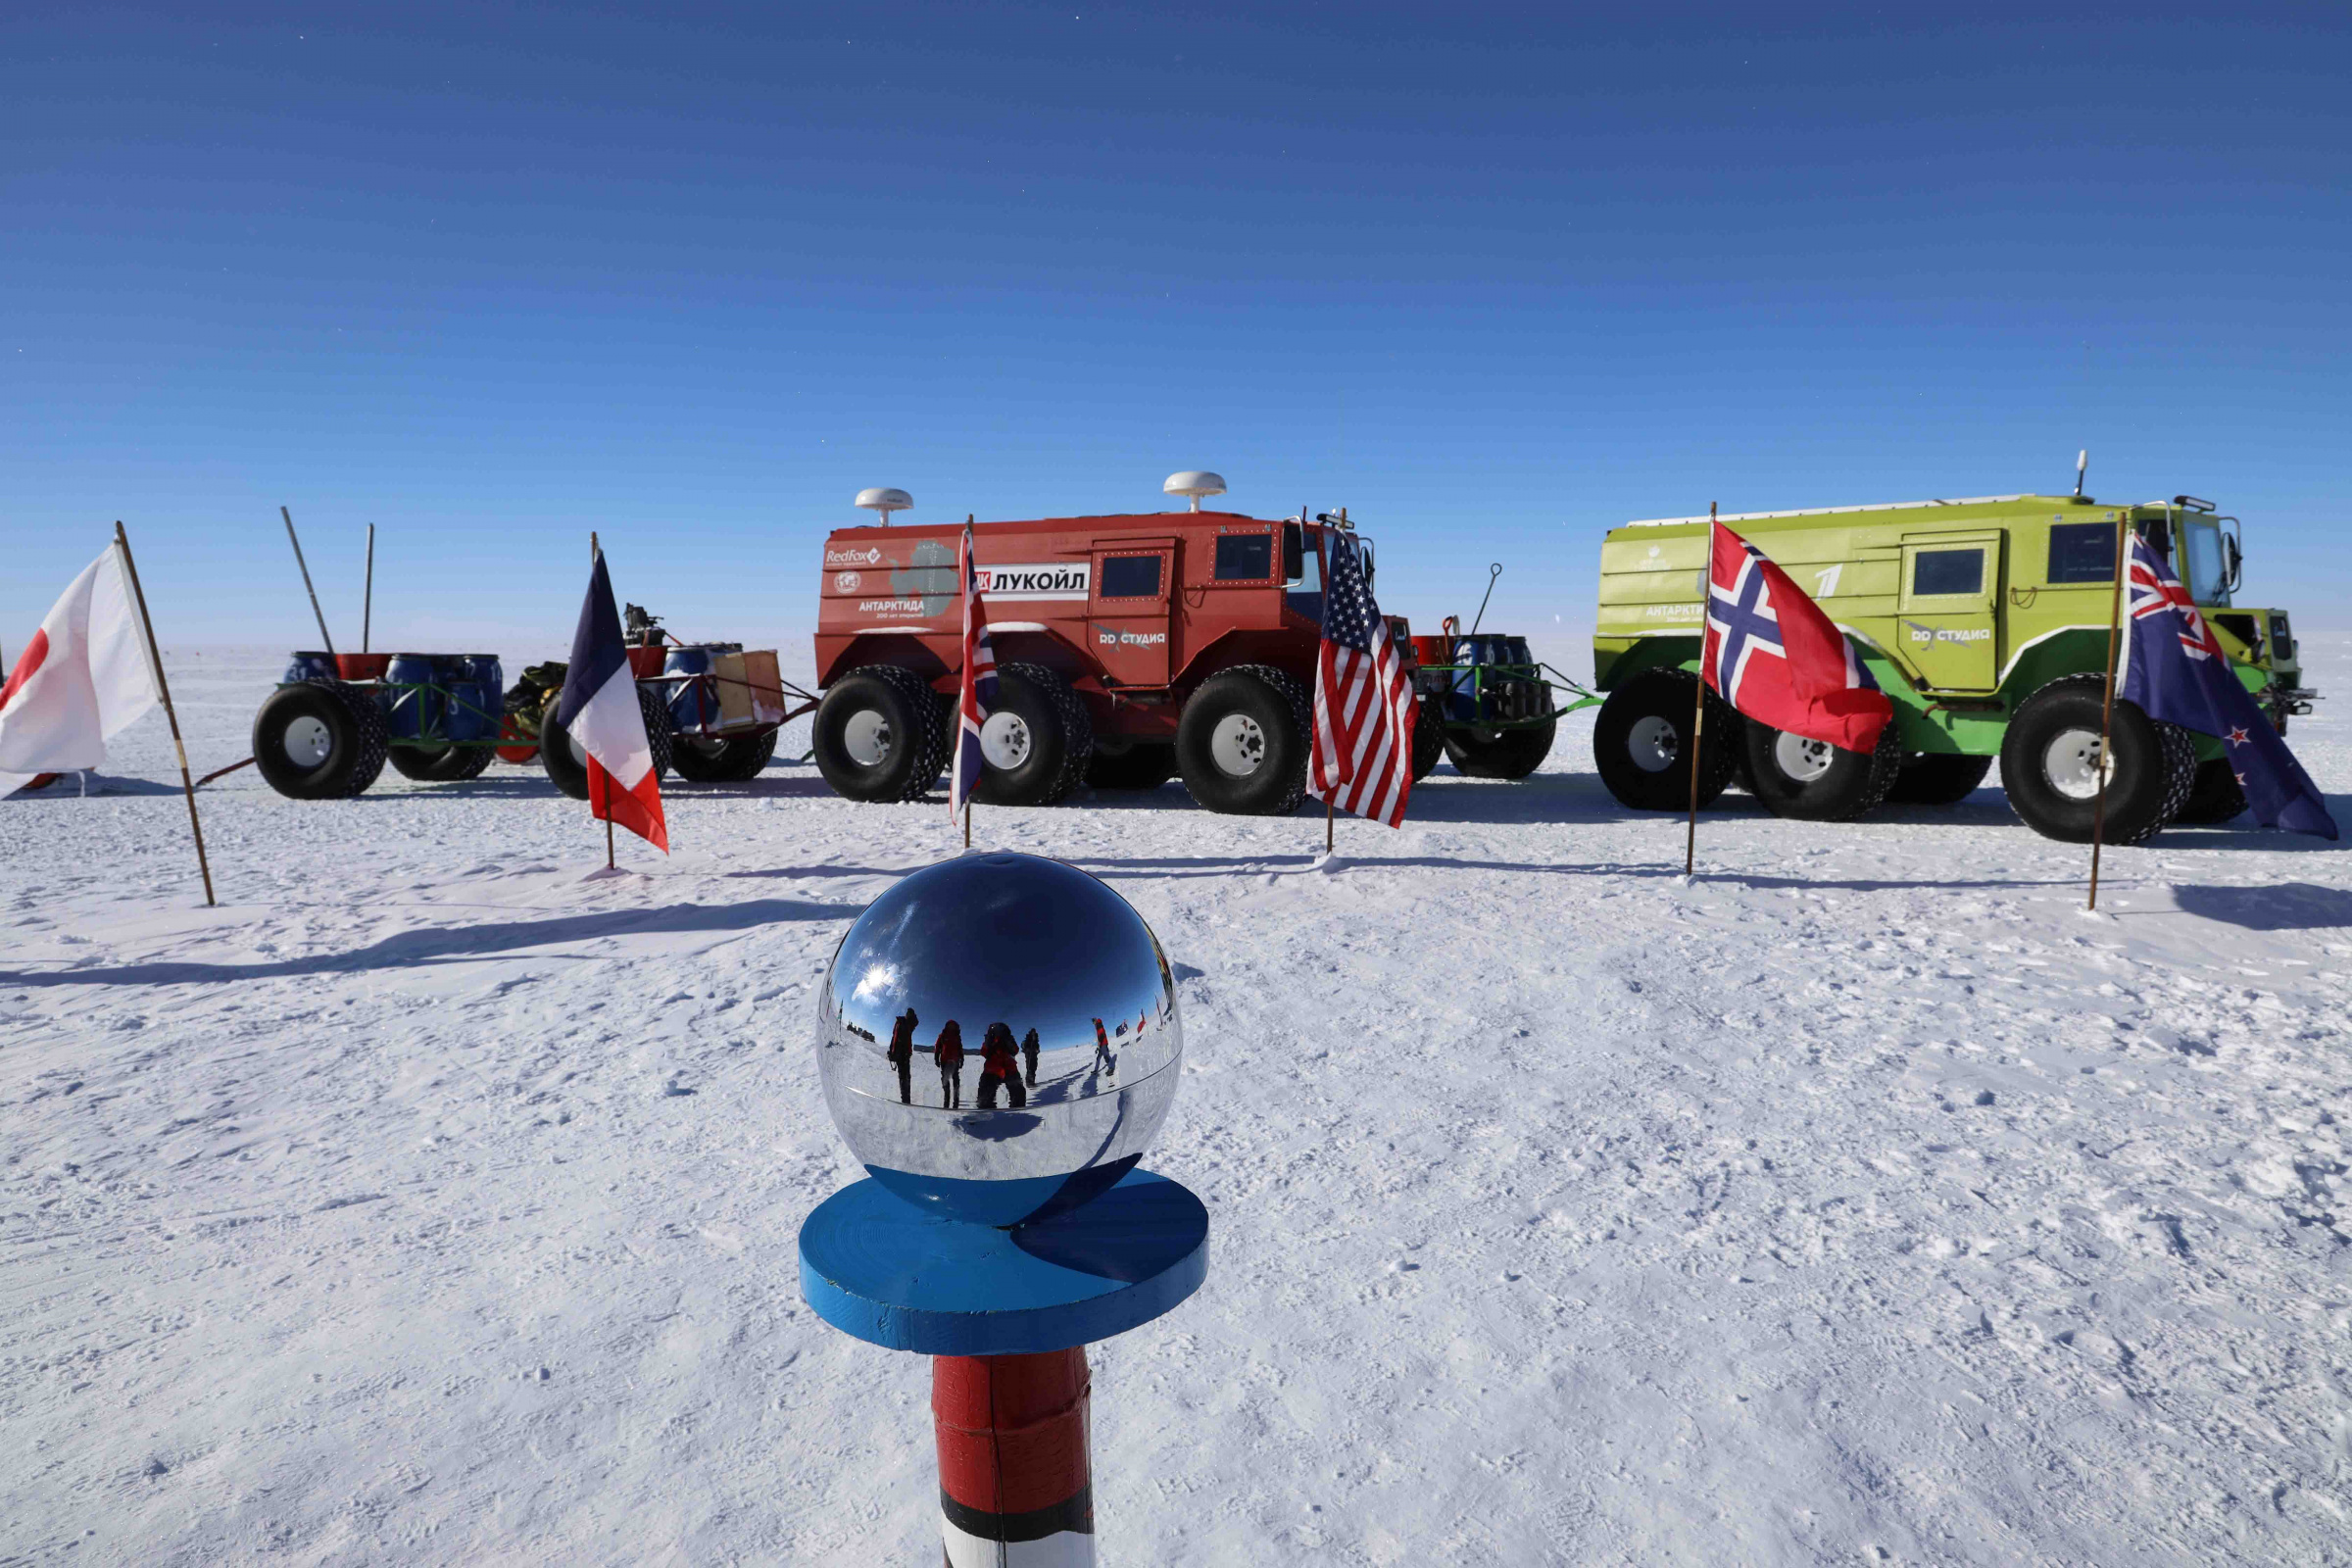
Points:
x=1363 y=757
x=978 y=691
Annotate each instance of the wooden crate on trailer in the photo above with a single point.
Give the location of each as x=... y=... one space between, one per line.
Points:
x=749 y=691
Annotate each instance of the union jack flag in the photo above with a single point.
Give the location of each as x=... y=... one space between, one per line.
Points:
x=977 y=692
x=2151 y=591
x=1361 y=758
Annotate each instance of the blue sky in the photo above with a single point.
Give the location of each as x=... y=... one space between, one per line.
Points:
x=1494 y=278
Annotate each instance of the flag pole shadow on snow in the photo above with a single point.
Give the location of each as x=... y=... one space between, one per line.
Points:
x=456 y=944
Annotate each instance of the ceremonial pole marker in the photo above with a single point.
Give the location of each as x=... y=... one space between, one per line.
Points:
x=998 y=1040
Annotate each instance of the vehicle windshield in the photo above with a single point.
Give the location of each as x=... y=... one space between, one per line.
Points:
x=2201 y=561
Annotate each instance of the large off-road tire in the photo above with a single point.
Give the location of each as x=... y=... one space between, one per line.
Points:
x=881 y=734
x=1036 y=739
x=1499 y=754
x=1641 y=737
x=451 y=765
x=2051 y=764
x=2216 y=795
x=748 y=756
x=1428 y=737
x=568 y=767
x=1140 y=765
x=1938 y=778
x=319 y=740
x=721 y=760
x=1241 y=742
x=1814 y=782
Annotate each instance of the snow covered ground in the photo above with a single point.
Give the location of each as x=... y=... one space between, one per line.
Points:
x=433 y=1199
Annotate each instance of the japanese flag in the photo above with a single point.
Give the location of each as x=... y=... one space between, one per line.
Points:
x=86 y=676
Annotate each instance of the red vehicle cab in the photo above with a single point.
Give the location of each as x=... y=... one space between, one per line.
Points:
x=1129 y=648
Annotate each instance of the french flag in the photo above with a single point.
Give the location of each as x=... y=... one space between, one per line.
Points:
x=598 y=709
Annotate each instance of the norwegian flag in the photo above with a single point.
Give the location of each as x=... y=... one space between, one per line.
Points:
x=977 y=692
x=1361 y=758
x=1775 y=658
x=2177 y=673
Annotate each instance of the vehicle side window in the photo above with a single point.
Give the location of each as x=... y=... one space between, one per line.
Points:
x=2081 y=552
x=1131 y=576
x=1948 y=571
x=1245 y=557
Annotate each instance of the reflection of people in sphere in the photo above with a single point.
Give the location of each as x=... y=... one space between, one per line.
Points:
x=1104 y=1059
x=902 y=1054
x=946 y=1053
x=1029 y=1054
x=1000 y=1068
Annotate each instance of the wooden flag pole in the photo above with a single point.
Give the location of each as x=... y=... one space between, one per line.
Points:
x=2114 y=620
x=1698 y=703
x=1323 y=578
x=163 y=689
x=306 y=582
x=367 y=594
x=956 y=757
x=604 y=785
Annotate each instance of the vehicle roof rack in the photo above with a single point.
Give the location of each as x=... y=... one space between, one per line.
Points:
x=1815 y=512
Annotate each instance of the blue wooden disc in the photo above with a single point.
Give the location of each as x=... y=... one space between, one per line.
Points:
x=875 y=1266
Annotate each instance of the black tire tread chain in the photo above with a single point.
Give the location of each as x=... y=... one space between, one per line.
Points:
x=1077 y=727
x=1302 y=714
x=375 y=739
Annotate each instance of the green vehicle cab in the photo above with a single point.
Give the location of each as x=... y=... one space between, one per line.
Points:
x=1985 y=620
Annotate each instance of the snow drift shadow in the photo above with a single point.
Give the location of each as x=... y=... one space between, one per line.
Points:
x=2286 y=907
x=453 y=944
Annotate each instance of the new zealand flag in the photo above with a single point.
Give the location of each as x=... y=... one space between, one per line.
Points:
x=2177 y=672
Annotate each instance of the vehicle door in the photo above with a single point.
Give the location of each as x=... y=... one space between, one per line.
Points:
x=1945 y=620
x=1127 y=609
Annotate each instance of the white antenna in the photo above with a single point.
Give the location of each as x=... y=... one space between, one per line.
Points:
x=2082 y=462
x=1196 y=483
x=885 y=501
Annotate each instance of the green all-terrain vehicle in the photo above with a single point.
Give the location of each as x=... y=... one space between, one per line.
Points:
x=1985 y=620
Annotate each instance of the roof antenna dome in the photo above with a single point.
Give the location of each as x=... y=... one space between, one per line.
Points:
x=885 y=500
x=1196 y=483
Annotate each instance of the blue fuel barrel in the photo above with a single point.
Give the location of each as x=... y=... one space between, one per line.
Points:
x=693 y=703
x=414 y=713
x=1491 y=648
x=310 y=667
x=476 y=700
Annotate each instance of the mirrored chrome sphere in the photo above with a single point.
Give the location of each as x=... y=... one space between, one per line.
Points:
x=998 y=1038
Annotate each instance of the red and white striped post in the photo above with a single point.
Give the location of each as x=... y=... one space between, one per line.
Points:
x=1014 y=1488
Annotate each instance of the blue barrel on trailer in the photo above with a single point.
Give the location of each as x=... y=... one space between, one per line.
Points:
x=414 y=707
x=474 y=695
x=310 y=667
x=693 y=703
x=1469 y=685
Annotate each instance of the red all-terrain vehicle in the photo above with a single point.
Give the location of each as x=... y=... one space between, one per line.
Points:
x=1129 y=648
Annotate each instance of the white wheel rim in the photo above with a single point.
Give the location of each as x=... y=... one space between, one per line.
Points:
x=1005 y=741
x=1653 y=743
x=2072 y=765
x=1238 y=746
x=866 y=737
x=1802 y=761
x=309 y=742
